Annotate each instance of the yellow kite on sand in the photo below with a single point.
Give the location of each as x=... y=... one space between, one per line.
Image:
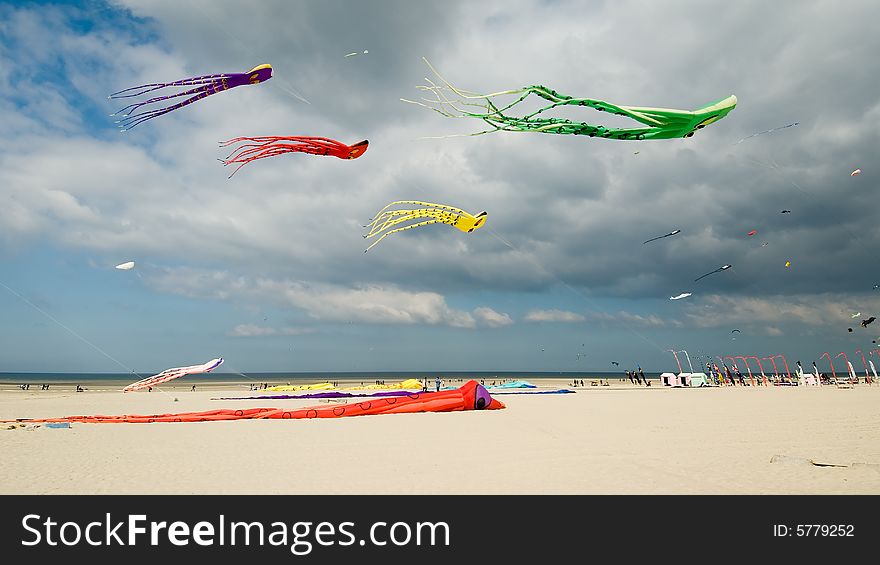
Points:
x=415 y=384
x=292 y=388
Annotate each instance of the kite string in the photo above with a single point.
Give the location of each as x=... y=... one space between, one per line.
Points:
x=771 y=130
x=81 y=338
x=574 y=290
x=89 y=343
x=282 y=84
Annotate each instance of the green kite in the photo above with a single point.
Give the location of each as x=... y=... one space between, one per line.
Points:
x=660 y=123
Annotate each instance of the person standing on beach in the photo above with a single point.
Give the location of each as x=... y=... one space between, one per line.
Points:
x=437 y=383
x=644 y=378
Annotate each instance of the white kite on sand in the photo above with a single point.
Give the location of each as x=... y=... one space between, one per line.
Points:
x=171 y=374
x=680 y=296
x=125 y=266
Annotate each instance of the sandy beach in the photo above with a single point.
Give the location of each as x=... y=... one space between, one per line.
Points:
x=619 y=439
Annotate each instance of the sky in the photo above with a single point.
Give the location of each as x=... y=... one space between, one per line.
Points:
x=267 y=269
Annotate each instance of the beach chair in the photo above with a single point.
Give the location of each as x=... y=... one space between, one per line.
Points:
x=842 y=383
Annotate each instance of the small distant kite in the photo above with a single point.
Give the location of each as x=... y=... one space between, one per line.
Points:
x=673 y=232
x=615 y=363
x=856 y=315
x=658 y=123
x=356 y=53
x=765 y=244
x=171 y=374
x=855 y=173
x=718 y=270
x=751 y=233
x=785 y=212
x=876 y=286
x=680 y=296
x=255 y=148
x=438 y=214
x=125 y=266
x=788 y=263
x=735 y=331
x=865 y=323
x=849 y=330
x=204 y=86
x=765 y=131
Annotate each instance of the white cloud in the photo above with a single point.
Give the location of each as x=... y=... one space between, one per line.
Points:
x=252 y=330
x=368 y=303
x=491 y=318
x=807 y=309
x=629 y=319
x=553 y=316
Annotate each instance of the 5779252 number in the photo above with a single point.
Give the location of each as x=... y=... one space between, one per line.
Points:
x=814 y=530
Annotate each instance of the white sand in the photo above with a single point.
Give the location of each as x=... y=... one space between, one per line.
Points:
x=606 y=440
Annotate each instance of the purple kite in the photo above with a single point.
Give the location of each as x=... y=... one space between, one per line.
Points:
x=204 y=86
x=332 y=394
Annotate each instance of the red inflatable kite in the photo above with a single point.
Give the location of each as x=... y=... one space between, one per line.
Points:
x=269 y=146
x=470 y=396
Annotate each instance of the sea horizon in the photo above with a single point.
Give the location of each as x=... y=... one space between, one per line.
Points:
x=276 y=377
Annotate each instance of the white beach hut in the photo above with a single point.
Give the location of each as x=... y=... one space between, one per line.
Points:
x=698 y=379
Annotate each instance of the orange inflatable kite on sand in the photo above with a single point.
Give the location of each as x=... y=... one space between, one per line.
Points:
x=470 y=396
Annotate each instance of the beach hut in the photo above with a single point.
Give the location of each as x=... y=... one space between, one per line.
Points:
x=670 y=379
x=698 y=379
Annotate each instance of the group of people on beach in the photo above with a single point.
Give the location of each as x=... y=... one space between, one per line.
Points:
x=600 y=382
x=27 y=386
